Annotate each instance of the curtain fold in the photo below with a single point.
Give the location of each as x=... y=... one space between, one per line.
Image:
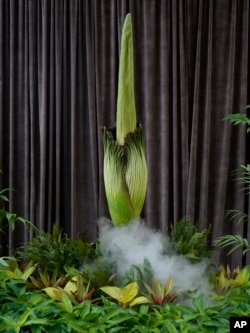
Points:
x=58 y=86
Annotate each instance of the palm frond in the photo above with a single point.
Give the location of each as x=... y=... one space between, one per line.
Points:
x=237 y=241
x=242 y=175
x=239 y=118
x=234 y=214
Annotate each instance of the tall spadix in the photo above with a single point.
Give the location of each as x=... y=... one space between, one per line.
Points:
x=125 y=169
x=126 y=112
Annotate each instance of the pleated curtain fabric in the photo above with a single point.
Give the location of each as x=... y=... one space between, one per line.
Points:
x=58 y=86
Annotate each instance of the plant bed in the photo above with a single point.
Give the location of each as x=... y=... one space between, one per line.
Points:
x=26 y=310
x=95 y=296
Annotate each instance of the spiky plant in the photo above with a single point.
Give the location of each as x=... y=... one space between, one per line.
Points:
x=125 y=169
x=75 y=291
x=45 y=280
x=227 y=279
x=160 y=294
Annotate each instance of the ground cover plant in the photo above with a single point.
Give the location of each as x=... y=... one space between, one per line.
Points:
x=158 y=284
x=25 y=310
x=93 y=297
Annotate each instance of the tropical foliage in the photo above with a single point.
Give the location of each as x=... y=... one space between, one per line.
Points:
x=235 y=242
x=189 y=241
x=23 y=310
x=64 y=296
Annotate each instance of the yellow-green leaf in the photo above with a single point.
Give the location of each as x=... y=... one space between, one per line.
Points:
x=54 y=293
x=129 y=292
x=28 y=272
x=168 y=285
x=241 y=279
x=70 y=286
x=140 y=300
x=113 y=292
x=222 y=281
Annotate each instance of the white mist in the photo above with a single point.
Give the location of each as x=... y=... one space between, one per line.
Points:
x=132 y=244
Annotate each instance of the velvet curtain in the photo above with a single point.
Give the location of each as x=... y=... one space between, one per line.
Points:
x=58 y=86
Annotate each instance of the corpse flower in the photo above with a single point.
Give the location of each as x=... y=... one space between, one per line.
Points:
x=125 y=169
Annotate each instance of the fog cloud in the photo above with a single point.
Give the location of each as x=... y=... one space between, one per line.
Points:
x=132 y=244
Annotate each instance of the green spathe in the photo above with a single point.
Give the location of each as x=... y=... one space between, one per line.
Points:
x=125 y=169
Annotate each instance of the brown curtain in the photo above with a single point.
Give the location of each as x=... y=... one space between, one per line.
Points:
x=58 y=84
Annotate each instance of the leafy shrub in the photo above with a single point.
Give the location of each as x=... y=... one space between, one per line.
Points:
x=189 y=241
x=56 y=251
x=11 y=219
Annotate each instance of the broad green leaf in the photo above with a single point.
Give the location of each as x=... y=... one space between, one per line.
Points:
x=118 y=320
x=67 y=303
x=37 y=321
x=171 y=328
x=24 y=316
x=144 y=309
x=82 y=310
x=110 y=315
x=9 y=321
x=35 y=299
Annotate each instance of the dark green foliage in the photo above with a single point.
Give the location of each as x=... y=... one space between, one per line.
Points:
x=242 y=177
x=140 y=274
x=239 y=119
x=25 y=311
x=56 y=251
x=8 y=219
x=189 y=241
x=100 y=273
